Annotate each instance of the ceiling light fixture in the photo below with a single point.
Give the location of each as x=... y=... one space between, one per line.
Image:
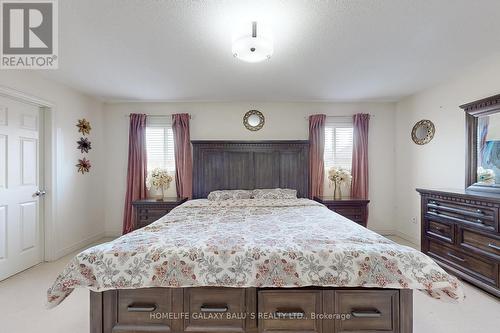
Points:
x=254 y=47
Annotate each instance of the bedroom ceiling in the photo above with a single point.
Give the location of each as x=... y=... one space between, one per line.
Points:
x=323 y=50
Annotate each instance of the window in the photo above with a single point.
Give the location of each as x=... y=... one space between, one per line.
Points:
x=338 y=142
x=160 y=143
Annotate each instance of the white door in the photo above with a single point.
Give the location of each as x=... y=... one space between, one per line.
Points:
x=21 y=225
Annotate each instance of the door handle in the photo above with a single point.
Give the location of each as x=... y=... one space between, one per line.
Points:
x=39 y=193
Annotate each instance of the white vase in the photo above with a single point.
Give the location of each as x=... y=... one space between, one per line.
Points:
x=162 y=197
x=337 y=191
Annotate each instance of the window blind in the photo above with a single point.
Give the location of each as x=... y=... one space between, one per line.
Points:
x=338 y=142
x=160 y=143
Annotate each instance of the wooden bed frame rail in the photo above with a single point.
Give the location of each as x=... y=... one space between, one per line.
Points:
x=252 y=310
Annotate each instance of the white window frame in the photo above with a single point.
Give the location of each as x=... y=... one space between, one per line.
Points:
x=334 y=124
x=159 y=123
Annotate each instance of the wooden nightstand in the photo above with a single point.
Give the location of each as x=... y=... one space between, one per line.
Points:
x=149 y=210
x=354 y=209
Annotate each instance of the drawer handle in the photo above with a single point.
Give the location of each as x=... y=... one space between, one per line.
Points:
x=493 y=246
x=141 y=308
x=294 y=314
x=479 y=221
x=479 y=211
x=432 y=202
x=218 y=309
x=366 y=313
x=455 y=257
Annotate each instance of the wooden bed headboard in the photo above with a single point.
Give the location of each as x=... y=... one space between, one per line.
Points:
x=230 y=165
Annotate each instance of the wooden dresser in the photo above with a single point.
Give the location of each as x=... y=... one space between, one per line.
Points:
x=149 y=210
x=460 y=230
x=354 y=209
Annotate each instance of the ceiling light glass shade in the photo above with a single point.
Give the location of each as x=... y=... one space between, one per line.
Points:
x=253 y=47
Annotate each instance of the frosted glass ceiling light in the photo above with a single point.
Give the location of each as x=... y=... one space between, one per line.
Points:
x=253 y=47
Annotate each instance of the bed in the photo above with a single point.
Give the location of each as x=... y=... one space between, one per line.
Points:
x=252 y=265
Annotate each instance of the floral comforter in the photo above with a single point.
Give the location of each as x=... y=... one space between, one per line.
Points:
x=253 y=243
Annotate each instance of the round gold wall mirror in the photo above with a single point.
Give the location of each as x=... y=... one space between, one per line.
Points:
x=423 y=132
x=253 y=120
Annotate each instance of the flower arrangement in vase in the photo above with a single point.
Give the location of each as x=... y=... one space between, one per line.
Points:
x=337 y=177
x=485 y=176
x=159 y=179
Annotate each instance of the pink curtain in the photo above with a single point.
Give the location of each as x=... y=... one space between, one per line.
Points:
x=183 y=157
x=316 y=151
x=359 y=185
x=137 y=168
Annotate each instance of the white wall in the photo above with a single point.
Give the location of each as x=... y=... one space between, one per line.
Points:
x=79 y=215
x=284 y=121
x=91 y=205
x=440 y=163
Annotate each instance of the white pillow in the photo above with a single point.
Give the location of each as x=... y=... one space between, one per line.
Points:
x=230 y=194
x=275 y=193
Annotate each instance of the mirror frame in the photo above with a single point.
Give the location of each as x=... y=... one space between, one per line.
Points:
x=431 y=130
x=473 y=111
x=257 y=127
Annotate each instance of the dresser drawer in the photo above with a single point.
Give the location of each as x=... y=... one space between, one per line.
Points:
x=356 y=214
x=144 y=306
x=149 y=213
x=347 y=211
x=215 y=309
x=440 y=230
x=351 y=208
x=355 y=217
x=484 y=269
x=371 y=311
x=289 y=311
x=146 y=220
x=471 y=215
x=488 y=245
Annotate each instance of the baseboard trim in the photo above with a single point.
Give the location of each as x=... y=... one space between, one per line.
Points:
x=383 y=232
x=112 y=233
x=77 y=246
x=408 y=238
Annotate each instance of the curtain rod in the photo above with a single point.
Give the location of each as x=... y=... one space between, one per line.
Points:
x=160 y=115
x=346 y=116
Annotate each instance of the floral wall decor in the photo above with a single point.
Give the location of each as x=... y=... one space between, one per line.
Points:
x=84 y=145
x=84 y=126
x=83 y=165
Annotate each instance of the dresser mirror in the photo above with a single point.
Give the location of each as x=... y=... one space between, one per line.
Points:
x=483 y=144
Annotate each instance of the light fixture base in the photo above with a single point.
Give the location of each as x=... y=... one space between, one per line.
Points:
x=253 y=47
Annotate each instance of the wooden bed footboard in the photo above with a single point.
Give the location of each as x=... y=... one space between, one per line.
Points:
x=252 y=310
